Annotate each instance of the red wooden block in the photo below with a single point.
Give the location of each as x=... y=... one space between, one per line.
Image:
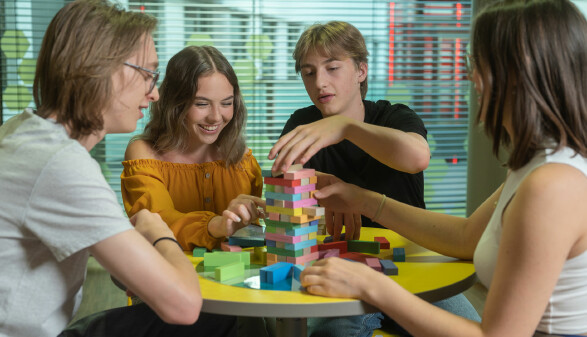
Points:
x=281 y=182
x=359 y=257
x=383 y=243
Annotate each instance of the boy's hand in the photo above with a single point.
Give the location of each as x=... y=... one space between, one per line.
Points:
x=300 y=144
x=338 y=218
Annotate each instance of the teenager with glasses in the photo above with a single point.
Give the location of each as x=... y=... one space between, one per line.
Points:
x=154 y=75
x=56 y=207
x=529 y=239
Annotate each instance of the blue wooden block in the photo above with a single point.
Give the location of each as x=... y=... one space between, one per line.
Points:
x=246 y=241
x=297 y=270
x=303 y=230
x=276 y=272
x=399 y=255
x=300 y=245
x=268 y=174
x=283 y=196
x=269 y=202
x=270 y=243
x=388 y=267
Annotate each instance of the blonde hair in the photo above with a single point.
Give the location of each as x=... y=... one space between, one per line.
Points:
x=85 y=44
x=333 y=39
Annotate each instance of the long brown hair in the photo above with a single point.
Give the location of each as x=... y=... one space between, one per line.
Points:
x=85 y=44
x=333 y=39
x=534 y=55
x=167 y=128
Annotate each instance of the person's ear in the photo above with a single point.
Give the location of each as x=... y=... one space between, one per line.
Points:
x=362 y=72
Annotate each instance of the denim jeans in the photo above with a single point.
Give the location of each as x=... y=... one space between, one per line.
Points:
x=347 y=326
x=363 y=325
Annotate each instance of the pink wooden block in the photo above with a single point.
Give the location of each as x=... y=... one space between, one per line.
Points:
x=299 y=189
x=299 y=203
x=373 y=262
x=328 y=253
x=285 y=238
x=274 y=216
x=303 y=259
x=301 y=174
x=228 y=248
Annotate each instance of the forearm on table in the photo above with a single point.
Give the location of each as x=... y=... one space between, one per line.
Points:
x=406 y=152
x=441 y=233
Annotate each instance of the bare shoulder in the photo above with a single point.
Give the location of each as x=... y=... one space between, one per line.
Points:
x=139 y=149
x=556 y=192
x=556 y=178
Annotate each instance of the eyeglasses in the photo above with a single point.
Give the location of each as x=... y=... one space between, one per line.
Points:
x=153 y=74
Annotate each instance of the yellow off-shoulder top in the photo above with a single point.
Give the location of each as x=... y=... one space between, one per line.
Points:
x=187 y=196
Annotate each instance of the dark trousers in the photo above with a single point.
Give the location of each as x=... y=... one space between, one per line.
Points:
x=139 y=320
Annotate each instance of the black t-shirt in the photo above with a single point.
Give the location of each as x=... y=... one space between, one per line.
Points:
x=353 y=165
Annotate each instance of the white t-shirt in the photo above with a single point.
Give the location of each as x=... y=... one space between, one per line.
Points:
x=566 y=312
x=54 y=204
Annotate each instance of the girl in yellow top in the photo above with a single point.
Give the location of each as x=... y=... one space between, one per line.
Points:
x=191 y=164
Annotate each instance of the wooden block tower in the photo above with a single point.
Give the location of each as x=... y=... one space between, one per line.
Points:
x=293 y=216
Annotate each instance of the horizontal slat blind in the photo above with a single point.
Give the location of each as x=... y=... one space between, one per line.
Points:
x=417 y=52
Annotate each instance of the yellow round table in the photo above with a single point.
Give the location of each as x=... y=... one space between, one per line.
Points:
x=429 y=275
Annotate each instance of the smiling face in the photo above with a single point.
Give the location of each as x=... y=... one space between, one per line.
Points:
x=212 y=110
x=130 y=87
x=333 y=84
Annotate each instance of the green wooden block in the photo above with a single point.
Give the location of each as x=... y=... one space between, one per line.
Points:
x=360 y=246
x=285 y=252
x=281 y=224
x=199 y=252
x=216 y=259
x=229 y=271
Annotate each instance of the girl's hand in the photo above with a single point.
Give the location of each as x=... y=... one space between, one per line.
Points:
x=241 y=211
x=334 y=277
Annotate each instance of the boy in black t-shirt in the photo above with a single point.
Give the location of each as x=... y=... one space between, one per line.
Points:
x=375 y=145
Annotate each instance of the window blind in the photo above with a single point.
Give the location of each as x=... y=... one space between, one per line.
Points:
x=417 y=57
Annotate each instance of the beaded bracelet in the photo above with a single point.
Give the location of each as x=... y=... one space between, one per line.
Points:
x=167 y=238
x=379 y=208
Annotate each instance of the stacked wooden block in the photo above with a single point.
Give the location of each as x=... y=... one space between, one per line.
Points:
x=293 y=215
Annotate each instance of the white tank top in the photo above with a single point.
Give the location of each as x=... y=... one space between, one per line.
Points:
x=566 y=312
